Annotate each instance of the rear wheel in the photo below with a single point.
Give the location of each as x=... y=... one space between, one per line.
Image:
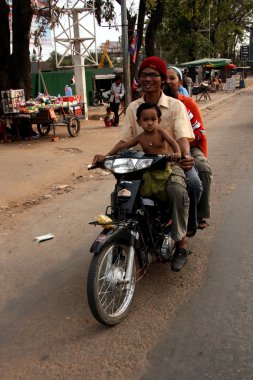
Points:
x=109 y=298
x=43 y=129
x=95 y=102
x=73 y=126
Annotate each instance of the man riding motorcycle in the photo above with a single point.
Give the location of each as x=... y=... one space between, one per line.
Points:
x=152 y=75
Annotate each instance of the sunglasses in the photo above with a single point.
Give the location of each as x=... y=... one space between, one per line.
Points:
x=151 y=75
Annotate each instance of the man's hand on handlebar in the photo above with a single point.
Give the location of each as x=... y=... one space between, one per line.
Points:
x=187 y=162
x=97 y=159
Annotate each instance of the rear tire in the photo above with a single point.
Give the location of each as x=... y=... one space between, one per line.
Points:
x=73 y=126
x=109 y=300
x=95 y=102
x=43 y=129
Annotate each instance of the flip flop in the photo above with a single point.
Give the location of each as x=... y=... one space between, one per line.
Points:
x=202 y=224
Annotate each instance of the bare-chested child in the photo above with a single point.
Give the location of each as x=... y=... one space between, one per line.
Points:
x=153 y=139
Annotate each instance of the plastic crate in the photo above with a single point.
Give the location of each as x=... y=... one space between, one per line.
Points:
x=74 y=98
x=77 y=110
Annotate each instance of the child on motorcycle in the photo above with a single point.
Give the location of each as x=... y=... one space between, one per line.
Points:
x=153 y=140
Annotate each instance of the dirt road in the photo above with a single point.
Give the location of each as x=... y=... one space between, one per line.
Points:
x=46 y=329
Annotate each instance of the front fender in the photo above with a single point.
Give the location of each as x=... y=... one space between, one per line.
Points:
x=119 y=235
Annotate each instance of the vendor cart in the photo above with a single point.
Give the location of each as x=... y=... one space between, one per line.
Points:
x=48 y=119
x=47 y=112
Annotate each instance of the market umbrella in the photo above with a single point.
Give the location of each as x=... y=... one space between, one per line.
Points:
x=230 y=66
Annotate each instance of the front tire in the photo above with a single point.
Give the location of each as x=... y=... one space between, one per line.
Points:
x=109 y=299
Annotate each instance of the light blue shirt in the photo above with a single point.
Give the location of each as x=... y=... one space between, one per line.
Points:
x=183 y=91
x=68 y=91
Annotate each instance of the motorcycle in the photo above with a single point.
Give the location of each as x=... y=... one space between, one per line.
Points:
x=136 y=232
x=101 y=97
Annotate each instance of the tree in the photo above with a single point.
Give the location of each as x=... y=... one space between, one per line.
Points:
x=15 y=70
x=15 y=65
x=156 y=14
x=187 y=24
x=5 y=44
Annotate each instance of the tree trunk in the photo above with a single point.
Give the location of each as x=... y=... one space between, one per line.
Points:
x=21 y=24
x=154 y=22
x=4 y=46
x=140 y=29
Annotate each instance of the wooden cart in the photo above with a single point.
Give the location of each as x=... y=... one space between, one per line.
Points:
x=49 y=118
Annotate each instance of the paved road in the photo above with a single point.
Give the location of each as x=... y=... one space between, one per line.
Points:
x=212 y=335
x=46 y=328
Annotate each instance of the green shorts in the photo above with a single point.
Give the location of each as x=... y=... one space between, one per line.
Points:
x=155 y=183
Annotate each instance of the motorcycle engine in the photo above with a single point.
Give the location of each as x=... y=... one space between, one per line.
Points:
x=168 y=246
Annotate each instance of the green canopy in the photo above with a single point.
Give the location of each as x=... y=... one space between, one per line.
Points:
x=210 y=62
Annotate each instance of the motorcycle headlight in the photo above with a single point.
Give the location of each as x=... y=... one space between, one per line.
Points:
x=127 y=165
x=143 y=163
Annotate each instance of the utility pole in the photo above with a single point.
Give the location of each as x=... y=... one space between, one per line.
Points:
x=79 y=70
x=126 y=68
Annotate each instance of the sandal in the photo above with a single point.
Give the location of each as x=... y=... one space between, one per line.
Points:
x=202 y=223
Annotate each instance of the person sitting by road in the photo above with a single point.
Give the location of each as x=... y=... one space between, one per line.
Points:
x=152 y=75
x=109 y=118
x=216 y=84
x=199 y=210
x=117 y=94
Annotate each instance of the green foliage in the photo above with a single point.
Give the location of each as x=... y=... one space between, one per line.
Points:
x=193 y=29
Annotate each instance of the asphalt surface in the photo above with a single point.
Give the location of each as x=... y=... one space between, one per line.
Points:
x=212 y=335
x=195 y=324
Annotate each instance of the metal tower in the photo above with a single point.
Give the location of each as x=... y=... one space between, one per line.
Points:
x=76 y=35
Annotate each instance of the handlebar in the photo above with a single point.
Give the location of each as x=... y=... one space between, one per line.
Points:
x=170 y=158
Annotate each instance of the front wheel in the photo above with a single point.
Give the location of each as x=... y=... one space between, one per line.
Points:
x=109 y=297
x=73 y=126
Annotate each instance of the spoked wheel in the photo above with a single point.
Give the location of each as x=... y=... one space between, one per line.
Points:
x=43 y=129
x=109 y=298
x=73 y=126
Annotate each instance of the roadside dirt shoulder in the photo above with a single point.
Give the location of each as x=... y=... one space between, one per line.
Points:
x=32 y=170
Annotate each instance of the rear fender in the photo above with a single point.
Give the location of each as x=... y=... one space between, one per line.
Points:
x=119 y=235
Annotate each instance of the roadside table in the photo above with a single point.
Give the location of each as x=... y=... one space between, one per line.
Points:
x=201 y=91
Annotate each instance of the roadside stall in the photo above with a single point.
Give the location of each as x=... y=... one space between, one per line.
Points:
x=46 y=112
x=202 y=88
